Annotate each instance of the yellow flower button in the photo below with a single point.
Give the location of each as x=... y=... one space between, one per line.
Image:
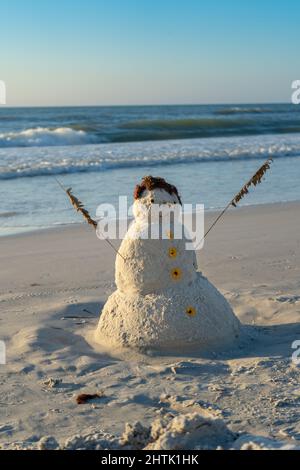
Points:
x=176 y=274
x=191 y=311
x=172 y=252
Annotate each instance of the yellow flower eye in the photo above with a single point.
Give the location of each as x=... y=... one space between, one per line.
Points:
x=191 y=311
x=176 y=273
x=170 y=235
x=172 y=252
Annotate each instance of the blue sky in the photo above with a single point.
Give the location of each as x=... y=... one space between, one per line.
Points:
x=101 y=52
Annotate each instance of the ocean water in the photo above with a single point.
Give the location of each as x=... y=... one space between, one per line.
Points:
x=208 y=152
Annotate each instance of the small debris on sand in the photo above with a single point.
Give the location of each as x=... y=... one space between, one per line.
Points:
x=84 y=398
x=52 y=382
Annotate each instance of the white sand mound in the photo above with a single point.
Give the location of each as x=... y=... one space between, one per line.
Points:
x=193 y=431
x=189 y=431
x=251 y=442
x=162 y=302
x=160 y=321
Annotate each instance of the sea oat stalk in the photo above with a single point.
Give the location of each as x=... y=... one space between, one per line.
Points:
x=77 y=204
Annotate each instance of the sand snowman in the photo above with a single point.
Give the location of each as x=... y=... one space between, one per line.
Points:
x=162 y=302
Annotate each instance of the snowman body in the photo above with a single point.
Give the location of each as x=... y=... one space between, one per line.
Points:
x=162 y=302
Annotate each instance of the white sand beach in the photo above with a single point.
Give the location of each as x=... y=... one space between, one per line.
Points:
x=53 y=285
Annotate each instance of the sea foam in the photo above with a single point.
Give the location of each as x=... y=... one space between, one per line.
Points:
x=45 y=136
x=21 y=162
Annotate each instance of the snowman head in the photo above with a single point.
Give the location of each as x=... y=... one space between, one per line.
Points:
x=154 y=191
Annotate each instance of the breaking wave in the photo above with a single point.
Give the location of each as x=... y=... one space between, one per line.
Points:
x=44 y=137
x=16 y=163
x=141 y=130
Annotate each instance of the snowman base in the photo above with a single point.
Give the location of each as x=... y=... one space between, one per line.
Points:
x=192 y=316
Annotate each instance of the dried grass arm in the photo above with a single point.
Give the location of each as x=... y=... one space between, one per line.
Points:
x=254 y=181
x=79 y=207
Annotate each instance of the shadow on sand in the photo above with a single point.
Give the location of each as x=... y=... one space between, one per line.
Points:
x=255 y=340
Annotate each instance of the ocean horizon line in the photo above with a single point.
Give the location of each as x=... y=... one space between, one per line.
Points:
x=41 y=106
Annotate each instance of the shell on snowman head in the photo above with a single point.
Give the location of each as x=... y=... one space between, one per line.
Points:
x=154 y=191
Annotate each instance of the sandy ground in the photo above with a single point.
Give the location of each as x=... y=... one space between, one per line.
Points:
x=53 y=285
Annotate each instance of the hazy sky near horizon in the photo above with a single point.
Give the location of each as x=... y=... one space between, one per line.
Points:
x=108 y=52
